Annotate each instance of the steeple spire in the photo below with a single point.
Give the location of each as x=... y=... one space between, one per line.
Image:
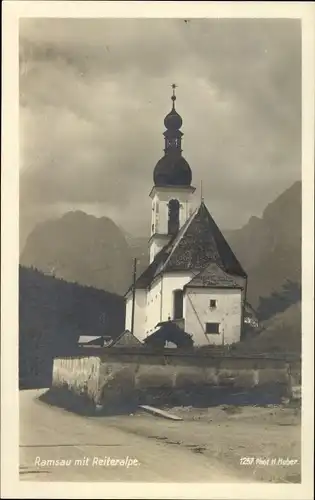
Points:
x=174 y=86
x=173 y=122
x=172 y=169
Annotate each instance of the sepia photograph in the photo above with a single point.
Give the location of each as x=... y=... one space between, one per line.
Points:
x=159 y=296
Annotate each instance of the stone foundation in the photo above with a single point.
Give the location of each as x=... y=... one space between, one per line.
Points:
x=112 y=379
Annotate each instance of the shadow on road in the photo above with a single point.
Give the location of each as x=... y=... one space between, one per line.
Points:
x=122 y=403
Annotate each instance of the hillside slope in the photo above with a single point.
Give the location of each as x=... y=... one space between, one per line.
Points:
x=281 y=333
x=52 y=316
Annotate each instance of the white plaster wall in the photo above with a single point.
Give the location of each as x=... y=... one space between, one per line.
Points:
x=140 y=313
x=171 y=282
x=228 y=313
x=241 y=282
x=159 y=216
x=153 y=306
x=156 y=244
x=161 y=198
x=128 y=308
x=77 y=373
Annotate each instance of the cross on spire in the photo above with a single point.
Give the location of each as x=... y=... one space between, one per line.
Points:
x=174 y=86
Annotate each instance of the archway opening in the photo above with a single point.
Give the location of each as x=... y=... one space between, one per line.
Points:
x=173 y=216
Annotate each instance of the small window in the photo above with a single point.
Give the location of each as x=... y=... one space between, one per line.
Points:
x=152 y=228
x=213 y=328
x=213 y=304
x=178 y=296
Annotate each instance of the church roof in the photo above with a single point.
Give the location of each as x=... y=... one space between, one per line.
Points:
x=197 y=244
x=201 y=242
x=125 y=339
x=172 y=170
x=213 y=276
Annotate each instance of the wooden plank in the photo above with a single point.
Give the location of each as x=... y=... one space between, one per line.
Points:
x=160 y=413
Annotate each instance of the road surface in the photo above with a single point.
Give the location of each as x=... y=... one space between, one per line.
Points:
x=56 y=445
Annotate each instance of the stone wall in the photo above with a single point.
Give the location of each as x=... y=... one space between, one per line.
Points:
x=80 y=375
x=113 y=376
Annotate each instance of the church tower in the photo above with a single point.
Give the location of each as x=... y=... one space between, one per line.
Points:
x=172 y=190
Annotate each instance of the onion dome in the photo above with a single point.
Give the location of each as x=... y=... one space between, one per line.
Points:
x=173 y=121
x=172 y=169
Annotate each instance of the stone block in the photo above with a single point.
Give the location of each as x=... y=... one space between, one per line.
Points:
x=273 y=376
x=154 y=376
x=211 y=376
x=226 y=377
x=245 y=378
x=189 y=376
x=123 y=376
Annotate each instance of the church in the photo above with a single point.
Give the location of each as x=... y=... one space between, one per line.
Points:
x=193 y=278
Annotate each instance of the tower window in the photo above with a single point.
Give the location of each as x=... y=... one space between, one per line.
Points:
x=173 y=216
x=213 y=304
x=172 y=142
x=213 y=328
x=178 y=297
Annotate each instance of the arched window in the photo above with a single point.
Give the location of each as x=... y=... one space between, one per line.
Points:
x=178 y=297
x=173 y=216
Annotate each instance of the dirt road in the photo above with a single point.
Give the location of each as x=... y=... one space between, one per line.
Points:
x=56 y=445
x=255 y=443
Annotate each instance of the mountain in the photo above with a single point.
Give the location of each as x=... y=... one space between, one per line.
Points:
x=85 y=250
x=139 y=250
x=94 y=251
x=269 y=249
x=53 y=314
x=81 y=248
x=280 y=333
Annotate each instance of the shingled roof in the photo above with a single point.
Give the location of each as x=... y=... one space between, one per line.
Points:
x=125 y=339
x=197 y=244
x=213 y=276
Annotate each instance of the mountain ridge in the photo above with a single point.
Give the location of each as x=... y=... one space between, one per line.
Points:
x=80 y=248
x=269 y=247
x=94 y=251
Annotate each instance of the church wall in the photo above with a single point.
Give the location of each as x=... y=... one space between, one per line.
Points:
x=160 y=207
x=156 y=244
x=228 y=313
x=241 y=282
x=159 y=218
x=153 y=307
x=128 y=305
x=172 y=282
x=140 y=312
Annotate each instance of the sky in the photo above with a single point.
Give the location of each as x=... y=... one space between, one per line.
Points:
x=94 y=94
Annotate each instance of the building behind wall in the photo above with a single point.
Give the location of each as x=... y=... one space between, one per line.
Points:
x=193 y=277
